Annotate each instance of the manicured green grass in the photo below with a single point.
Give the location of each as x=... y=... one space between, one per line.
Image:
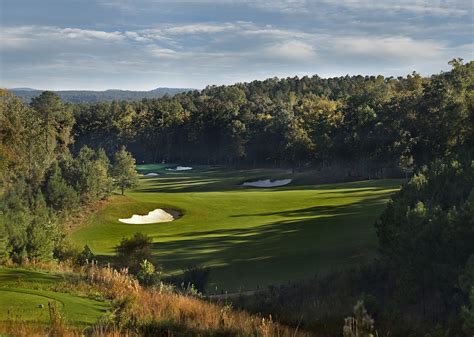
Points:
x=250 y=237
x=25 y=294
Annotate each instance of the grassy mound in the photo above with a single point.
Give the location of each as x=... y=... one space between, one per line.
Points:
x=25 y=295
x=269 y=236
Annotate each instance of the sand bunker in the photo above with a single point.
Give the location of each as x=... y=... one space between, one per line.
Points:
x=267 y=183
x=180 y=168
x=158 y=215
x=152 y=174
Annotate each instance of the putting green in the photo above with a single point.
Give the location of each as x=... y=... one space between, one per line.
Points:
x=25 y=294
x=249 y=236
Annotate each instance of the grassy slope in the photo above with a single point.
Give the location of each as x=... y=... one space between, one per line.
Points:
x=23 y=291
x=249 y=236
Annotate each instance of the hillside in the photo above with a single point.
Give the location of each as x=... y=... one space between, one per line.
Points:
x=89 y=96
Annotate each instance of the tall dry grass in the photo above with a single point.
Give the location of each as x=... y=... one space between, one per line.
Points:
x=158 y=311
x=163 y=311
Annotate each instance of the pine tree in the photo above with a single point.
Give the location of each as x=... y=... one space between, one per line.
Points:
x=123 y=171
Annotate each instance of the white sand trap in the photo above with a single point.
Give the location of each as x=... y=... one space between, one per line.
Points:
x=152 y=174
x=180 y=168
x=267 y=183
x=158 y=215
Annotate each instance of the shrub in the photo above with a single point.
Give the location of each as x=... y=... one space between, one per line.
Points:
x=131 y=252
x=86 y=256
x=66 y=251
x=148 y=275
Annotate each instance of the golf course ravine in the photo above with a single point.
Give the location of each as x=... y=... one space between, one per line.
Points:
x=249 y=236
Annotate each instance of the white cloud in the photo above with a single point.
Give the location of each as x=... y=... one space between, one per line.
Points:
x=75 y=33
x=197 y=54
x=291 y=50
x=285 y=6
x=392 y=47
x=160 y=52
x=433 y=7
x=201 y=28
x=24 y=36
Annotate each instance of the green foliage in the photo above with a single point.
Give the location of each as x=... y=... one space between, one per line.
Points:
x=375 y=125
x=31 y=231
x=148 y=275
x=89 y=174
x=65 y=250
x=85 y=257
x=12 y=128
x=426 y=235
x=3 y=244
x=133 y=251
x=59 y=194
x=42 y=183
x=123 y=171
x=41 y=233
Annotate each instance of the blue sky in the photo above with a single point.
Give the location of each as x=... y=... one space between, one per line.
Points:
x=144 y=44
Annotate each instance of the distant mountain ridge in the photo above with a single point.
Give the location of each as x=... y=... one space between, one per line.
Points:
x=90 y=96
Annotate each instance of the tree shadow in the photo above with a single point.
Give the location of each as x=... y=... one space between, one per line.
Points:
x=219 y=181
x=328 y=237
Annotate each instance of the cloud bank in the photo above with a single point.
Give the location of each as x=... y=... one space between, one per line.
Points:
x=248 y=40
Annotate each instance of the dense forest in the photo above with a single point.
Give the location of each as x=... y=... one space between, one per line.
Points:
x=375 y=125
x=42 y=183
x=54 y=160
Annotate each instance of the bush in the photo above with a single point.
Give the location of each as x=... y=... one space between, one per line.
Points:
x=66 y=251
x=86 y=256
x=148 y=275
x=58 y=194
x=131 y=252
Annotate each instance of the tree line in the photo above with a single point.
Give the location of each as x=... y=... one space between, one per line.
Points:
x=42 y=183
x=383 y=125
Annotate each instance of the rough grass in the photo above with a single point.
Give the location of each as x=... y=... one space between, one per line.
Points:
x=250 y=237
x=159 y=311
x=25 y=295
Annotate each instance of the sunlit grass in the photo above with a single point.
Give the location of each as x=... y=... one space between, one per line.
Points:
x=251 y=237
x=25 y=294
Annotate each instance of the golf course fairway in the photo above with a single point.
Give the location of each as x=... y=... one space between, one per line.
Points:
x=250 y=237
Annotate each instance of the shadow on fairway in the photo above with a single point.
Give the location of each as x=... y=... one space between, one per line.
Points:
x=319 y=211
x=231 y=180
x=304 y=246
